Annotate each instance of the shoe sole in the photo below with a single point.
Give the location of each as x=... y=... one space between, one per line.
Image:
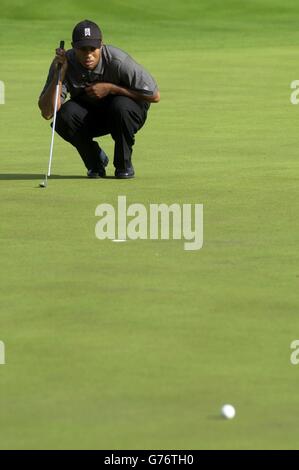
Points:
x=96 y=177
x=125 y=177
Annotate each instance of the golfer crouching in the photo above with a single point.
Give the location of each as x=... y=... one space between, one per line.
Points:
x=109 y=94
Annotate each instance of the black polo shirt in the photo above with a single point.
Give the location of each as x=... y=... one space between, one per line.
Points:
x=115 y=66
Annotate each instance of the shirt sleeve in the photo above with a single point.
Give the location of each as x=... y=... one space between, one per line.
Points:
x=64 y=90
x=134 y=77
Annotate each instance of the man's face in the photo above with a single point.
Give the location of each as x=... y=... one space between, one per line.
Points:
x=88 y=56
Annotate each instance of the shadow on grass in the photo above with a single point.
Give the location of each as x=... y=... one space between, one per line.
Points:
x=216 y=418
x=28 y=176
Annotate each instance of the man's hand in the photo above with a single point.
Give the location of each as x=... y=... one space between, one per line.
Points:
x=60 y=58
x=98 y=90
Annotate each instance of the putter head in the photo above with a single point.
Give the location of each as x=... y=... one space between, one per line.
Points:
x=43 y=184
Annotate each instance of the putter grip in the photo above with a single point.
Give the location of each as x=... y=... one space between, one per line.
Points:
x=61 y=46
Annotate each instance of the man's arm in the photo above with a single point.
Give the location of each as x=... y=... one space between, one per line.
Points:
x=46 y=101
x=100 y=90
x=118 y=90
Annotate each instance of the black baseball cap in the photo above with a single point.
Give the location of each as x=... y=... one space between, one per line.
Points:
x=87 y=33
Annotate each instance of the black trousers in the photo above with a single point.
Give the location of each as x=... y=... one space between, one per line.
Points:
x=79 y=122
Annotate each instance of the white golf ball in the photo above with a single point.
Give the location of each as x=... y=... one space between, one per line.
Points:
x=228 y=411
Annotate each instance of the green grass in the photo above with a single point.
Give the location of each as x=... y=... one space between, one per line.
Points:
x=137 y=345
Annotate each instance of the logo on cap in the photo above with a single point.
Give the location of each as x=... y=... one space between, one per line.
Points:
x=87 y=32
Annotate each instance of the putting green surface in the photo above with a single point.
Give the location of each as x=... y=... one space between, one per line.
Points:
x=138 y=344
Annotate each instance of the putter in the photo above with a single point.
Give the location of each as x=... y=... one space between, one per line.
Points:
x=44 y=184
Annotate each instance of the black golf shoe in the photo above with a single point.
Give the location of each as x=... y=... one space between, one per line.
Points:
x=125 y=173
x=103 y=157
x=99 y=172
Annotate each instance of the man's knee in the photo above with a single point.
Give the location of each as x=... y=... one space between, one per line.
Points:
x=63 y=118
x=125 y=115
x=67 y=112
x=121 y=106
x=69 y=119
